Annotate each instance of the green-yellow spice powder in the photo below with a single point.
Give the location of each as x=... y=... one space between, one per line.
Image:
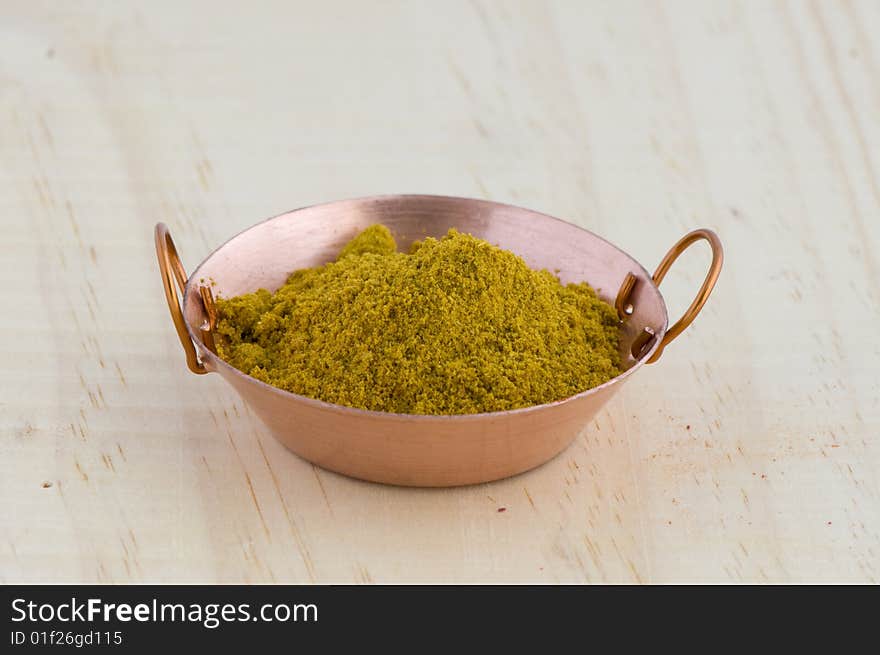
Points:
x=455 y=326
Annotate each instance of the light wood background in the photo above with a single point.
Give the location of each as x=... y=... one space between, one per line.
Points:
x=748 y=453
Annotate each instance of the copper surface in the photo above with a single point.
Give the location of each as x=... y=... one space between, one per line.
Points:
x=406 y=449
x=207 y=331
x=702 y=295
x=170 y=265
x=643 y=342
x=621 y=302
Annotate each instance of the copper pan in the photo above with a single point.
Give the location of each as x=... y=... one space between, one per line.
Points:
x=417 y=450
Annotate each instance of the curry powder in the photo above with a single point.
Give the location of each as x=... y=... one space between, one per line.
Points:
x=455 y=326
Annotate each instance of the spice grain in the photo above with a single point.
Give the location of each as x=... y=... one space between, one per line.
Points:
x=454 y=326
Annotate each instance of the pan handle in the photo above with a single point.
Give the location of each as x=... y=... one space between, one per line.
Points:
x=170 y=265
x=708 y=284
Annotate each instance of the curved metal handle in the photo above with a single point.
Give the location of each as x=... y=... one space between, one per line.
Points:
x=703 y=294
x=169 y=264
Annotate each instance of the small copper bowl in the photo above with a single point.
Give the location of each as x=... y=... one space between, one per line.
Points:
x=408 y=449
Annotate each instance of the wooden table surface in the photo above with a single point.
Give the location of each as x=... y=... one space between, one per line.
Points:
x=748 y=453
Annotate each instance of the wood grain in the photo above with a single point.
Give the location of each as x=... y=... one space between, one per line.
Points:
x=750 y=452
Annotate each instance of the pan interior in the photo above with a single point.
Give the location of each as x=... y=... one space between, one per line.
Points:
x=265 y=254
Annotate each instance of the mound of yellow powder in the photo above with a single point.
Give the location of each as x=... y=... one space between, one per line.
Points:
x=456 y=326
